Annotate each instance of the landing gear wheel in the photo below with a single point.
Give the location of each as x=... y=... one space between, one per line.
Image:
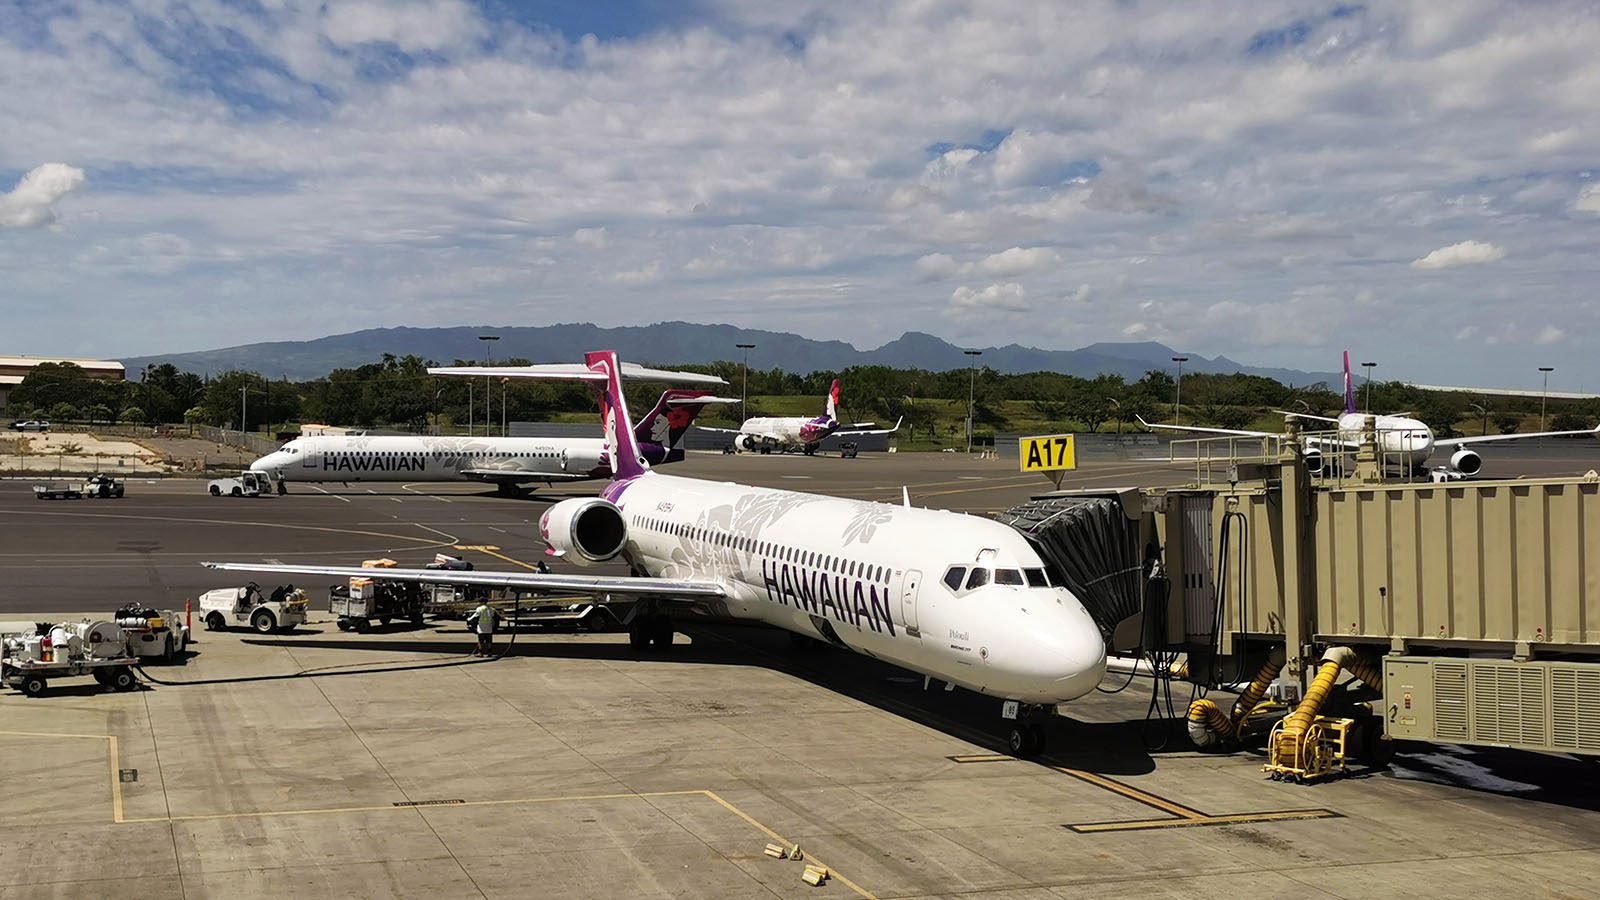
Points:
x=215 y=622
x=33 y=685
x=121 y=679
x=661 y=635
x=639 y=636
x=263 y=621
x=1026 y=740
x=417 y=620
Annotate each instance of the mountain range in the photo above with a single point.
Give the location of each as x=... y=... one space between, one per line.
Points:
x=672 y=343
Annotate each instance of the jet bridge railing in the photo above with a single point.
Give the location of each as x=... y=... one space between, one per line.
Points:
x=1217 y=459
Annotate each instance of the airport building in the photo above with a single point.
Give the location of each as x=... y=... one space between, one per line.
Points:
x=15 y=368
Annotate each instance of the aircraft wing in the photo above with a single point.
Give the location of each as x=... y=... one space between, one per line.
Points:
x=579 y=372
x=1284 y=412
x=719 y=430
x=1324 y=443
x=1486 y=438
x=858 y=428
x=540 y=582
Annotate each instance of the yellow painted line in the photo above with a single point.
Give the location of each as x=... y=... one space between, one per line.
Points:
x=1118 y=787
x=491 y=551
x=1240 y=819
x=115 y=758
x=399 y=537
x=832 y=872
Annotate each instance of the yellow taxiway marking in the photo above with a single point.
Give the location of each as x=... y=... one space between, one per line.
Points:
x=490 y=549
x=1184 y=817
x=114 y=757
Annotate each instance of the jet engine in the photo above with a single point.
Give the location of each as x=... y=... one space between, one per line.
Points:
x=1466 y=462
x=587 y=531
x=1313 y=461
x=749 y=441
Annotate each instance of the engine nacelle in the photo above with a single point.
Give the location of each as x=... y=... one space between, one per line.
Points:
x=1466 y=462
x=587 y=531
x=749 y=441
x=1314 y=461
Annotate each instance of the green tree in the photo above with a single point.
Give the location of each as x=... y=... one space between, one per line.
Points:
x=99 y=413
x=64 y=412
x=133 y=414
x=1508 y=423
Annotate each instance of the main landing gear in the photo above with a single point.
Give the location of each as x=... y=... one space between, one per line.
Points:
x=645 y=632
x=1026 y=738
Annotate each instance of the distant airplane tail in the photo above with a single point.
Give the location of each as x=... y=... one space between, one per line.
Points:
x=833 y=401
x=662 y=430
x=1349 y=389
x=620 y=443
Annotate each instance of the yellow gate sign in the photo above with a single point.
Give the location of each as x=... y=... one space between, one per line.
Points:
x=1052 y=453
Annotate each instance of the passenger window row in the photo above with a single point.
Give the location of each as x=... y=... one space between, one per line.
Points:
x=838 y=564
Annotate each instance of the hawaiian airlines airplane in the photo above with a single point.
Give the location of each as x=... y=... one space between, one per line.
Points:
x=786 y=433
x=960 y=598
x=506 y=462
x=1402 y=440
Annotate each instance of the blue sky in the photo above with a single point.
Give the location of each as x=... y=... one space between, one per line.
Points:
x=1274 y=182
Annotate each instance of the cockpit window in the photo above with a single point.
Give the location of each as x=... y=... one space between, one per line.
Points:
x=1008 y=576
x=952 y=578
x=1036 y=578
x=978 y=578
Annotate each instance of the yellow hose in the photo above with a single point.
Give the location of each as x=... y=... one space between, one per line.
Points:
x=1257 y=689
x=1369 y=671
x=1332 y=661
x=1208 y=726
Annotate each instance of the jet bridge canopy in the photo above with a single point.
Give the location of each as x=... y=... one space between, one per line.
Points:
x=1092 y=547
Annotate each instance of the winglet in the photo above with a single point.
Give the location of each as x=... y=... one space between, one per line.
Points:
x=905 y=495
x=1142 y=421
x=625 y=459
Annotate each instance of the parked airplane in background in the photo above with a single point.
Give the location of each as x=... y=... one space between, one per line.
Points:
x=960 y=598
x=1402 y=440
x=786 y=433
x=506 y=462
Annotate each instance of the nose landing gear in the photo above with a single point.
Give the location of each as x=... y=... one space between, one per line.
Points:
x=1026 y=739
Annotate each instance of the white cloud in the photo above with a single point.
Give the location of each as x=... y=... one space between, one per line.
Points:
x=1017 y=260
x=648 y=275
x=411 y=26
x=935 y=266
x=592 y=238
x=1467 y=333
x=1588 y=199
x=1466 y=253
x=32 y=202
x=1550 y=335
x=1009 y=298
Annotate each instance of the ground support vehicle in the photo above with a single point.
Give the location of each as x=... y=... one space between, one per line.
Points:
x=357 y=606
x=28 y=662
x=849 y=449
x=245 y=484
x=151 y=632
x=104 y=486
x=30 y=425
x=247 y=606
x=58 y=490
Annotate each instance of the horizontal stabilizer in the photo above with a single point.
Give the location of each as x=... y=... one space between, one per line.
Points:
x=579 y=372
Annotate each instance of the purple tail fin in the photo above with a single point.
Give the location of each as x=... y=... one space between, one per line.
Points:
x=625 y=459
x=1349 y=389
x=660 y=432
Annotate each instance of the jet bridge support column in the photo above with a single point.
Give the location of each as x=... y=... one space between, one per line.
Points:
x=1295 y=487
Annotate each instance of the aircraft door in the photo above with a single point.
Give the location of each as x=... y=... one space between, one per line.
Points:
x=309 y=460
x=908 y=601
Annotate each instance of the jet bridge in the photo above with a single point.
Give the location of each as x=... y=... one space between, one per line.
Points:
x=1468 y=611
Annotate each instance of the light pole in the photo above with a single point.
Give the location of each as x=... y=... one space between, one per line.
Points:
x=1485 y=411
x=744 y=383
x=972 y=383
x=1544 y=395
x=488 y=410
x=503 y=406
x=1369 y=366
x=1177 y=400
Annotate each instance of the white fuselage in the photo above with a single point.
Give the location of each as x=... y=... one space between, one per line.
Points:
x=409 y=459
x=795 y=431
x=872 y=577
x=1400 y=438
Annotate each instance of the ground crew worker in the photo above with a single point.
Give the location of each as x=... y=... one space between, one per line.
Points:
x=482 y=622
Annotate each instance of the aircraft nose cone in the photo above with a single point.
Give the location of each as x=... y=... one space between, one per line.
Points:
x=1073 y=655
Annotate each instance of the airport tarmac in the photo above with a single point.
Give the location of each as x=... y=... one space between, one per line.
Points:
x=391 y=765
